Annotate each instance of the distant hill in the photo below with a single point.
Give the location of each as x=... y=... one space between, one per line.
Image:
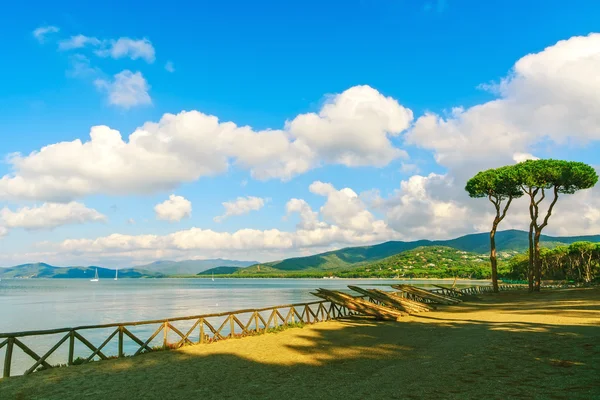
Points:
x=42 y=270
x=507 y=241
x=428 y=261
x=191 y=267
x=220 y=271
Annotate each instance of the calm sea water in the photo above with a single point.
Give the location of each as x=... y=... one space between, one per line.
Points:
x=37 y=304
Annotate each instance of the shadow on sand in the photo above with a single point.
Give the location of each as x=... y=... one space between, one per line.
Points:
x=425 y=357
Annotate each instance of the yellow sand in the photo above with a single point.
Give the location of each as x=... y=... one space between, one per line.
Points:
x=511 y=345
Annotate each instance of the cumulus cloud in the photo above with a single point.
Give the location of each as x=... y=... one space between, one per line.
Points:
x=174 y=209
x=548 y=96
x=354 y=127
x=122 y=47
x=130 y=48
x=169 y=66
x=314 y=232
x=49 y=216
x=127 y=89
x=41 y=32
x=78 y=42
x=241 y=206
x=182 y=148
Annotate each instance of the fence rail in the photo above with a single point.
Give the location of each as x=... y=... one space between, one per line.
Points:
x=204 y=329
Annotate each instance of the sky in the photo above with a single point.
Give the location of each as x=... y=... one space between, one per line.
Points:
x=269 y=129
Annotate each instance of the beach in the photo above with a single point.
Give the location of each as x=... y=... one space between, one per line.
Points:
x=508 y=345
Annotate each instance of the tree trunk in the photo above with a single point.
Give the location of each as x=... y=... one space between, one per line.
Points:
x=537 y=261
x=493 y=257
x=531 y=258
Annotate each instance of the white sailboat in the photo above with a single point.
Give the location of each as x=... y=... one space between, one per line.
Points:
x=95 y=277
x=116 y=274
x=213 y=276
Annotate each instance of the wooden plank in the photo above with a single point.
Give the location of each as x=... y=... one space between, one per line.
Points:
x=177 y=331
x=31 y=353
x=71 y=347
x=108 y=339
x=48 y=354
x=136 y=339
x=121 y=353
x=147 y=342
x=213 y=330
x=8 y=357
x=3 y=343
x=90 y=346
x=165 y=334
x=187 y=335
x=239 y=323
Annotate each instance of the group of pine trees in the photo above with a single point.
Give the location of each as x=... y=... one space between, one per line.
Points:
x=537 y=180
x=579 y=261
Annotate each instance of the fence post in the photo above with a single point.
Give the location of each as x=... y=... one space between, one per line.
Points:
x=232 y=325
x=121 y=354
x=166 y=335
x=71 y=347
x=202 y=330
x=8 y=357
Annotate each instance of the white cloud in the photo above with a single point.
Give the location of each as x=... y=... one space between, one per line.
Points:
x=169 y=66
x=3 y=232
x=241 y=206
x=41 y=32
x=131 y=221
x=354 y=127
x=312 y=233
x=78 y=42
x=550 y=96
x=407 y=168
x=520 y=157
x=49 y=216
x=174 y=209
x=184 y=147
x=345 y=209
x=128 y=89
x=127 y=47
x=81 y=67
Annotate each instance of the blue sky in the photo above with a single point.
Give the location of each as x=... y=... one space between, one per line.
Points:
x=264 y=63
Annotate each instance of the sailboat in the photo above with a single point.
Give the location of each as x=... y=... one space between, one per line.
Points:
x=116 y=274
x=95 y=277
x=213 y=276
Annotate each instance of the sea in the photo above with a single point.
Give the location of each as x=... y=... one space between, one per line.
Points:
x=41 y=304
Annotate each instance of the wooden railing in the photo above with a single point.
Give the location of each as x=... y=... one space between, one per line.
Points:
x=204 y=329
x=198 y=329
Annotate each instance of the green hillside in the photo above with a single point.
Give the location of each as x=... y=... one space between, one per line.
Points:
x=223 y=270
x=191 y=267
x=352 y=257
x=42 y=270
x=428 y=261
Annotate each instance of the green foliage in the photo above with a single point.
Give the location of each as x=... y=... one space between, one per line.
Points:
x=223 y=270
x=578 y=262
x=567 y=176
x=500 y=183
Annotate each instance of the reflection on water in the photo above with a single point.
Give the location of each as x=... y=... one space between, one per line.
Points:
x=36 y=304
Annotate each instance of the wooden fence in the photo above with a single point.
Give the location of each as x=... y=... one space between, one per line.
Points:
x=204 y=329
x=196 y=329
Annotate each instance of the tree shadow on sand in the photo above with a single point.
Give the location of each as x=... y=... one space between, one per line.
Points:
x=358 y=358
